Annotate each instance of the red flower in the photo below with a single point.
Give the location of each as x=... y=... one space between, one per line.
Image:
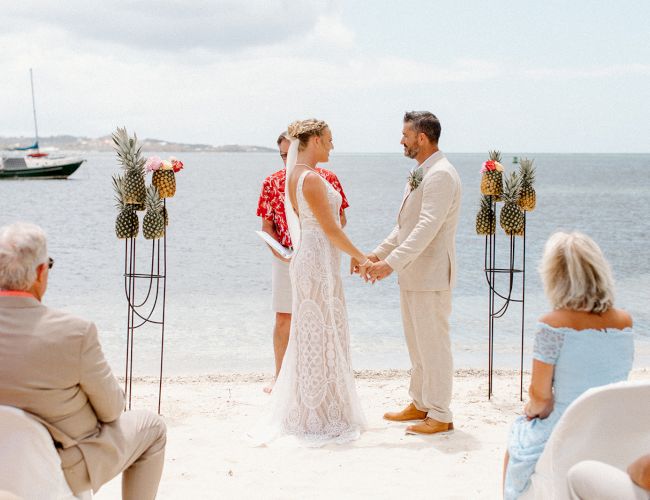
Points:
x=489 y=165
x=177 y=165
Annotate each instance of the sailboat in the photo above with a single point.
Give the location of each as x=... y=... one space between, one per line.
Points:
x=36 y=164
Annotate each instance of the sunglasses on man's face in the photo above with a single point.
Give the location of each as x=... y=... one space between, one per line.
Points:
x=283 y=156
x=50 y=262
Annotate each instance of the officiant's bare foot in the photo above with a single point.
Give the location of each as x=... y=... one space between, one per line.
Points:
x=269 y=388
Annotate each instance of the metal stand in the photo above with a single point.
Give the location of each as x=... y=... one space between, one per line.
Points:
x=141 y=313
x=505 y=299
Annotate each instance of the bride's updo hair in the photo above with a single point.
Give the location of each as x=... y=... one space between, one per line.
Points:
x=304 y=129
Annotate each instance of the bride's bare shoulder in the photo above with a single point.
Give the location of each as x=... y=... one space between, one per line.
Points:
x=313 y=185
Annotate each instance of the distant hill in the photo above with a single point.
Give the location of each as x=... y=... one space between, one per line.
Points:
x=105 y=143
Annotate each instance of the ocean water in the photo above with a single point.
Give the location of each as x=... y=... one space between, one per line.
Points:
x=218 y=295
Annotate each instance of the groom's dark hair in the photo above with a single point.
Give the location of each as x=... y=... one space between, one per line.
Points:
x=425 y=122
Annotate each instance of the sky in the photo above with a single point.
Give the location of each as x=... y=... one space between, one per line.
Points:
x=519 y=76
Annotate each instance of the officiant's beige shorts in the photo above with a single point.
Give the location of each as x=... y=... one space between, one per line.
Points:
x=281 y=286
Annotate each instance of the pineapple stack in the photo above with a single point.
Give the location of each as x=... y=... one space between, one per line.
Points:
x=126 y=224
x=486 y=221
x=512 y=217
x=153 y=224
x=129 y=155
x=527 y=196
x=492 y=179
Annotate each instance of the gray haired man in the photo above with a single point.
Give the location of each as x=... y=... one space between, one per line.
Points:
x=53 y=368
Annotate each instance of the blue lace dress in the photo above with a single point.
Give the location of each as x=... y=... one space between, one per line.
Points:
x=583 y=359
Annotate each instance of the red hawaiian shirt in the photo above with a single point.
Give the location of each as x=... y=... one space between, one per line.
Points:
x=271 y=203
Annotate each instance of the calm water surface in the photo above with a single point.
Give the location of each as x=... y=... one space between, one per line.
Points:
x=218 y=296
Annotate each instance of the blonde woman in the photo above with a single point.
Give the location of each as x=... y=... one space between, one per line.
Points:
x=583 y=342
x=314 y=397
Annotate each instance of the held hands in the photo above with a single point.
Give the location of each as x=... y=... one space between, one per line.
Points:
x=372 y=269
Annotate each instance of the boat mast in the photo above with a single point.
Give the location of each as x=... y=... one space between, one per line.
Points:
x=31 y=79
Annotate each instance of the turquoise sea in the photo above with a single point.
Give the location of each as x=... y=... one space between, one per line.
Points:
x=218 y=297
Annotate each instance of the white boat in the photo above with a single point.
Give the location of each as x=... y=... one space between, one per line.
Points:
x=37 y=165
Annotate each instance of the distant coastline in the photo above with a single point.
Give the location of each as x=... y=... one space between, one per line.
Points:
x=72 y=143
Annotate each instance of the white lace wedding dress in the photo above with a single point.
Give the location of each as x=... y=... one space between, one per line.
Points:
x=314 y=397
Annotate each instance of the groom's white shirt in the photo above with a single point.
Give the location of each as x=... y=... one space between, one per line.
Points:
x=422 y=246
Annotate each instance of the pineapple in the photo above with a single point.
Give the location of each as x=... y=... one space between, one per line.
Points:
x=153 y=224
x=512 y=218
x=126 y=224
x=527 y=196
x=165 y=181
x=129 y=155
x=486 y=221
x=492 y=180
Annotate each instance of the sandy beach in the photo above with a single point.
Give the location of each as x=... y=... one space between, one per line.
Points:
x=208 y=456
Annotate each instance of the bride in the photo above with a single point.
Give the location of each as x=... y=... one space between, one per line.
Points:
x=314 y=397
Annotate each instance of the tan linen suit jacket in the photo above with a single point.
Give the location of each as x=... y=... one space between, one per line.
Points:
x=52 y=366
x=422 y=246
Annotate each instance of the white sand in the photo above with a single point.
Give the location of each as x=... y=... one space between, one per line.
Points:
x=208 y=456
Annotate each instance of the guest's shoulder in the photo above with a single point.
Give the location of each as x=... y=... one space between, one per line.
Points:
x=66 y=322
x=615 y=319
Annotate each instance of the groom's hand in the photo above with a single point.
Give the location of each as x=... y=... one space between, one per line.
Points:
x=379 y=270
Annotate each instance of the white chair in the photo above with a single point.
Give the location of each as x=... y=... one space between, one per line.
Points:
x=609 y=423
x=30 y=466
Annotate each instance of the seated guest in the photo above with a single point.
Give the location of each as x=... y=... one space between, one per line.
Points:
x=583 y=342
x=592 y=480
x=53 y=367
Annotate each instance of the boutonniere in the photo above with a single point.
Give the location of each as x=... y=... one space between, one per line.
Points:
x=415 y=177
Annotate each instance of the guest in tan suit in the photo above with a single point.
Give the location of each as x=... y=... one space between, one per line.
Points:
x=53 y=368
x=422 y=249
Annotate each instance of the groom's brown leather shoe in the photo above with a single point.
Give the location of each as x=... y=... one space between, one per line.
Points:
x=430 y=426
x=408 y=413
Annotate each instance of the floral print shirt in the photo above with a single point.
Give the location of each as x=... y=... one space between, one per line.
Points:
x=271 y=202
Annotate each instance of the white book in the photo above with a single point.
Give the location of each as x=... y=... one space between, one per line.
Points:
x=275 y=245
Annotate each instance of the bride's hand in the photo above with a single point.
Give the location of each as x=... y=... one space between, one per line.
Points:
x=363 y=268
x=354 y=265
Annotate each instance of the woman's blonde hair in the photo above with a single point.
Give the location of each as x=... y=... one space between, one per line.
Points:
x=575 y=274
x=304 y=129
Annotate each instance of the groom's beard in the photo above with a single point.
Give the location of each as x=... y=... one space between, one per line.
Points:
x=411 y=152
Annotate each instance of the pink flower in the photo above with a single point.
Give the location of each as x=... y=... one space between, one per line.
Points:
x=153 y=163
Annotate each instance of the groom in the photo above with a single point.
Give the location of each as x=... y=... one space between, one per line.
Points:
x=421 y=248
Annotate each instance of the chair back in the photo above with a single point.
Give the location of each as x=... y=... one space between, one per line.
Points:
x=610 y=424
x=30 y=466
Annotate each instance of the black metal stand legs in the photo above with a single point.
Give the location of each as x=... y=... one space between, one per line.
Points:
x=498 y=303
x=140 y=313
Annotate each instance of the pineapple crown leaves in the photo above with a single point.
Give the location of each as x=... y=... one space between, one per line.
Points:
x=153 y=201
x=486 y=203
x=129 y=152
x=511 y=188
x=118 y=183
x=527 y=171
x=494 y=155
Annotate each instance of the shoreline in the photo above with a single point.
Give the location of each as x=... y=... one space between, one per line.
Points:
x=367 y=374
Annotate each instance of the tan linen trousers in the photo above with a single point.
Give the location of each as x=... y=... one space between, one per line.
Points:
x=426 y=327
x=134 y=444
